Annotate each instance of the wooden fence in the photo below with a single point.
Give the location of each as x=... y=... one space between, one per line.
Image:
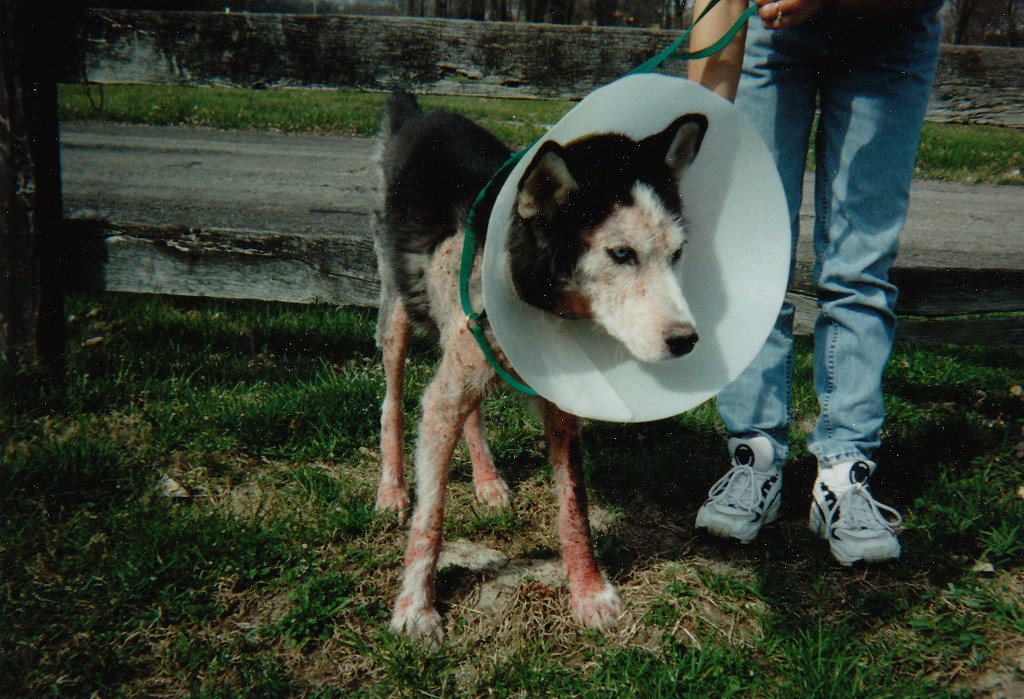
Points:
x=42 y=255
x=983 y=85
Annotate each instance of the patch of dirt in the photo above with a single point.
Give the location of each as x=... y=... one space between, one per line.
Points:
x=1003 y=683
x=502 y=590
x=1002 y=677
x=514 y=600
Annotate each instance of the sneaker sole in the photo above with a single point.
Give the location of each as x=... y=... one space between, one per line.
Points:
x=723 y=531
x=853 y=563
x=817 y=526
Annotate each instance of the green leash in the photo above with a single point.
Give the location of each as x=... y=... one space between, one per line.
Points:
x=474 y=319
x=670 y=53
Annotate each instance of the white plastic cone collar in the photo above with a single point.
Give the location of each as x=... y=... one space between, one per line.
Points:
x=734 y=271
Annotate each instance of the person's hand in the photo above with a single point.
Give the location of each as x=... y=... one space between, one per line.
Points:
x=777 y=14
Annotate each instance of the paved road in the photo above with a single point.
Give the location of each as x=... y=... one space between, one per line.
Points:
x=323 y=184
x=210 y=178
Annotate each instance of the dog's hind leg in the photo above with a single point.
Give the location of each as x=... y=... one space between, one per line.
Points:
x=594 y=600
x=393 y=334
x=491 y=488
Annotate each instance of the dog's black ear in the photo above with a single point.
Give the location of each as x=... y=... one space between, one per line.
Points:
x=680 y=142
x=547 y=183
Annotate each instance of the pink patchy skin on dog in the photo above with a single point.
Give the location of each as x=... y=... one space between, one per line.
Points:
x=446 y=403
x=391 y=493
x=491 y=488
x=455 y=393
x=414 y=609
x=595 y=602
x=451 y=405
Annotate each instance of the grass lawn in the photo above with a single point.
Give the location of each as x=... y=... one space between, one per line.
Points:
x=193 y=515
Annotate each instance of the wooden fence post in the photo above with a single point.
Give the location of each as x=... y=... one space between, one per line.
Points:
x=31 y=297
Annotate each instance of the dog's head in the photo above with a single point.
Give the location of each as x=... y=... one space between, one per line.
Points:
x=597 y=233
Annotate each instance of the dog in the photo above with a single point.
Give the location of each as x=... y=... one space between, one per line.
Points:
x=596 y=235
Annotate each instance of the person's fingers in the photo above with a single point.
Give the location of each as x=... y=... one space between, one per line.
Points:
x=778 y=14
x=772 y=14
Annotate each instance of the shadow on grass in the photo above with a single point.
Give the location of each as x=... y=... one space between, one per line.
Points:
x=947 y=463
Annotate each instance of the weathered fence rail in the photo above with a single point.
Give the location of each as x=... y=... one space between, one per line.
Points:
x=974 y=84
x=341 y=270
x=444 y=56
x=220 y=263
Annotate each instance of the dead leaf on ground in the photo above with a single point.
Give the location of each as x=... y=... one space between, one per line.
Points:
x=171 y=488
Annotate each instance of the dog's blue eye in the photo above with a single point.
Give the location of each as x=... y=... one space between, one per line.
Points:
x=623 y=255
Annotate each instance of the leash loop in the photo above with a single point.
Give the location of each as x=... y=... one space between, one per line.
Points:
x=475 y=320
x=672 y=51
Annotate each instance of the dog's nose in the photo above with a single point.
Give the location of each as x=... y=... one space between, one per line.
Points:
x=682 y=340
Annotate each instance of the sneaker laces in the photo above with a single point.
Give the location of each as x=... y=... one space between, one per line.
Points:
x=861 y=512
x=738 y=489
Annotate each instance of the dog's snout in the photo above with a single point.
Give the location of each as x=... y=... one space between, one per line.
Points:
x=682 y=340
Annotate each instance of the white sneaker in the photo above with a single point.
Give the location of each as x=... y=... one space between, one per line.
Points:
x=748 y=496
x=858 y=528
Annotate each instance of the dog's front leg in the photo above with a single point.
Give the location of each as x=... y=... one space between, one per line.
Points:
x=447 y=401
x=595 y=602
x=414 y=612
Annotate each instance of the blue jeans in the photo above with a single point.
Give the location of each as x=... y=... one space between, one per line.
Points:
x=870 y=77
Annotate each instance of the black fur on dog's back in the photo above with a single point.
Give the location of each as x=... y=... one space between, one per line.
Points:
x=434 y=164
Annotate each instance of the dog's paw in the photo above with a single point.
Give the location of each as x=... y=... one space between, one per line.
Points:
x=494 y=492
x=419 y=622
x=392 y=498
x=599 y=608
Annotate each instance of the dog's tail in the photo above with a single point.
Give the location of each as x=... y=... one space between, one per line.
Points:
x=399 y=109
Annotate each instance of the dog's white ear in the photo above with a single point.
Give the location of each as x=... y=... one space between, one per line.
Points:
x=547 y=183
x=680 y=142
